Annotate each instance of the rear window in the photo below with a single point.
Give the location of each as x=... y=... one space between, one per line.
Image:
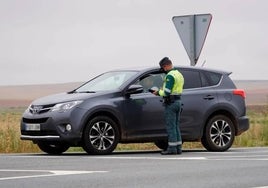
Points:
x=214 y=78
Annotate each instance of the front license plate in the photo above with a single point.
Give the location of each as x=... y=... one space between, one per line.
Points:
x=32 y=127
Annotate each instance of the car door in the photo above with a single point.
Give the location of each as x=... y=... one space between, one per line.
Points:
x=197 y=99
x=144 y=112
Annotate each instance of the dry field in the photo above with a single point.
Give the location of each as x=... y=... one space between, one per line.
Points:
x=21 y=96
x=256 y=91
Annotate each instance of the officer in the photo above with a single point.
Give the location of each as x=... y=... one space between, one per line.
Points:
x=171 y=93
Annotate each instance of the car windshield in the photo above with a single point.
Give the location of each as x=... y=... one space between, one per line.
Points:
x=106 y=81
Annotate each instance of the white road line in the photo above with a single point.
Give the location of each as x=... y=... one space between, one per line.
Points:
x=216 y=157
x=175 y=157
x=222 y=158
x=151 y=158
x=50 y=173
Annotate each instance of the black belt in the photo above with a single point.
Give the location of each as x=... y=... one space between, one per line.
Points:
x=175 y=97
x=171 y=98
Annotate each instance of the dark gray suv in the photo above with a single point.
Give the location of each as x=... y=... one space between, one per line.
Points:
x=116 y=107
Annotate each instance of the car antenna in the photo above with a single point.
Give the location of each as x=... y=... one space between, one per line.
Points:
x=203 y=64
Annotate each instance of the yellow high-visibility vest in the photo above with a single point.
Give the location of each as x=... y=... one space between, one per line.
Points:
x=176 y=88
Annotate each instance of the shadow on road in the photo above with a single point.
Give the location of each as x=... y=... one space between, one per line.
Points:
x=128 y=152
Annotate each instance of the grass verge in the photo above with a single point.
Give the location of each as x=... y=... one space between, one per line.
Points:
x=10 y=118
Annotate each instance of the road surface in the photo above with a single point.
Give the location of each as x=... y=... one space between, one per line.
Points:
x=238 y=167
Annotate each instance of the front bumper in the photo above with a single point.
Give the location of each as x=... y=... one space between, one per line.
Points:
x=52 y=126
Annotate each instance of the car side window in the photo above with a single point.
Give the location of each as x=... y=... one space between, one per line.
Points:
x=192 y=79
x=151 y=80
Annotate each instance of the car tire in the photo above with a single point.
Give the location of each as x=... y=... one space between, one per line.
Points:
x=161 y=144
x=53 y=148
x=219 y=134
x=101 y=136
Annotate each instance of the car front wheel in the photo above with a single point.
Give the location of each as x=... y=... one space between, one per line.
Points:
x=219 y=134
x=101 y=136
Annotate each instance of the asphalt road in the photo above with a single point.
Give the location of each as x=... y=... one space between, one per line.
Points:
x=240 y=167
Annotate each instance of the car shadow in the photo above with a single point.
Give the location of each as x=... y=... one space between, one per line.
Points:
x=116 y=153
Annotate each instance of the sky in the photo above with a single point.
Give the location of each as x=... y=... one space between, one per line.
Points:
x=61 y=41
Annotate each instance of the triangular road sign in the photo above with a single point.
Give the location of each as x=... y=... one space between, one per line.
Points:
x=192 y=30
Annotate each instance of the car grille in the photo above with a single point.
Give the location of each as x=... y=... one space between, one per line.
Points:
x=39 y=109
x=39 y=120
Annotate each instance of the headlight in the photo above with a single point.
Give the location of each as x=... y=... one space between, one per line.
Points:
x=63 y=107
x=28 y=109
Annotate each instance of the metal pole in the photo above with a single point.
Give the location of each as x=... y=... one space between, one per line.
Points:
x=192 y=41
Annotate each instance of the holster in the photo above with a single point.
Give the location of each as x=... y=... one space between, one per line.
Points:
x=166 y=100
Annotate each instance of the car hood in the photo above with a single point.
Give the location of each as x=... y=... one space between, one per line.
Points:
x=62 y=97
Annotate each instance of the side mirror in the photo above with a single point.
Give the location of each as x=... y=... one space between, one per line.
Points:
x=134 y=89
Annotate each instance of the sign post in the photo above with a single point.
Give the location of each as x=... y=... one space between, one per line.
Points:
x=193 y=30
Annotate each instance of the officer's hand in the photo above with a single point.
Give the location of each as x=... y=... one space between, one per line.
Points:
x=155 y=92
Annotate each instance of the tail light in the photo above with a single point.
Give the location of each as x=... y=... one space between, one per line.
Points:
x=240 y=92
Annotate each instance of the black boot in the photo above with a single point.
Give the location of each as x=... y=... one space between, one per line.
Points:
x=179 y=149
x=170 y=151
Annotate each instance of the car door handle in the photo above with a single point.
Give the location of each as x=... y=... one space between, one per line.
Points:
x=209 y=97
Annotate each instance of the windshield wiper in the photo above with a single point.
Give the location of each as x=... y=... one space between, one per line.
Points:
x=70 y=92
x=74 y=91
x=85 y=91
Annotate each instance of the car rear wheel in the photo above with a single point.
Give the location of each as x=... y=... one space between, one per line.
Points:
x=161 y=144
x=219 y=134
x=53 y=148
x=101 y=136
